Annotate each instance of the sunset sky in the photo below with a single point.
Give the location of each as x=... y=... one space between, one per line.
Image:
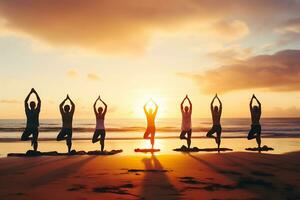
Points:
x=131 y=50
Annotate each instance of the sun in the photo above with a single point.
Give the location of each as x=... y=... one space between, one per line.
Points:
x=142 y=99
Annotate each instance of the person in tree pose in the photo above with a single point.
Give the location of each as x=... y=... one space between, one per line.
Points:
x=99 y=134
x=186 y=125
x=216 y=117
x=255 y=118
x=150 y=131
x=32 y=126
x=67 y=114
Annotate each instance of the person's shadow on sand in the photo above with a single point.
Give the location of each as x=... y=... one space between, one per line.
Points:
x=156 y=184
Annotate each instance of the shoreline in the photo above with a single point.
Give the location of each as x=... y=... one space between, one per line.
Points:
x=166 y=146
x=141 y=138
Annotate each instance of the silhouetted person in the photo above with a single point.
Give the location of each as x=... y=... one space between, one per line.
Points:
x=255 y=117
x=150 y=131
x=186 y=125
x=100 y=129
x=216 y=116
x=67 y=113
x=32 y=113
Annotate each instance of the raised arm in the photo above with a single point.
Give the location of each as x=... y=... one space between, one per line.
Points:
x=221 y=107
x=95 y=109
x=251 y=102
x=38 y=99
x=191 y=105
x=212 y=103
x=145 y=108
x=105 y=107
x=181 y=105
x=72 y=104
x=258 y=102
x=27 y=99
x=61 y=105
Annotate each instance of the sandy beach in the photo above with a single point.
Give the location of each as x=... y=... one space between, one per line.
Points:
x=235 y=175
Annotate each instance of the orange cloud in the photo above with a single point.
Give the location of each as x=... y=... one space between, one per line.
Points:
x=9 y=101
x=115 y=26
x=230 y=54
x=235 y=29
x=93 y=77
x=72 y=73
x=277 y=72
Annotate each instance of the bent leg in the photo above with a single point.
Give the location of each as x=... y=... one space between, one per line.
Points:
x=210 y=133
x=146 y=134
x=182 y=135
x=96 y=136
x=25 y=135
x=251 y=134
x=61 y=135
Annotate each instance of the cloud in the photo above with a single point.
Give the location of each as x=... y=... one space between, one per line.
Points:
x=118 y=26
x=289 y=32
x=233 y=30
x=9 y=101
x=292 y=111
x=290 y=26
x=230 y=54
x=72 y=73
x=277 y=72
x=93 y=77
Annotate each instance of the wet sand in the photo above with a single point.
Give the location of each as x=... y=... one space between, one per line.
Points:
x=234 y=175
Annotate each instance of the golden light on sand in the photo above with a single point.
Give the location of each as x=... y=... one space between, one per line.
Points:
x=145 y=144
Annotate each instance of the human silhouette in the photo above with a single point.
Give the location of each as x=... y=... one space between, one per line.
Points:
x=67 y=113
x=32 y=126
x=216 y=116
x=186 y=125
x=100 y=129
x=255 y=117
x=150 y=131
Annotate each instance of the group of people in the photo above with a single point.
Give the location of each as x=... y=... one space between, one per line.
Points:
x=216 y=112
x=32 y=110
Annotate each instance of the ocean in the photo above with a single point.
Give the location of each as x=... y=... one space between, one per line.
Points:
x=166 y=128
x=283 y=134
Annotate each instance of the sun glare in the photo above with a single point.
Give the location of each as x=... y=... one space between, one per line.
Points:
x=141 y=100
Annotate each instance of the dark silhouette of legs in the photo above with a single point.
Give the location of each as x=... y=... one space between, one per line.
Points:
x=69 y=142
x=187 y=138
x=255 y=133
x=182 y=135
x=66 y=134
x=215 y=129
x=102 y=144
x=218 y=139
x=210 y=133
x=99 y=135
x=26 y=136
x=34 y=140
